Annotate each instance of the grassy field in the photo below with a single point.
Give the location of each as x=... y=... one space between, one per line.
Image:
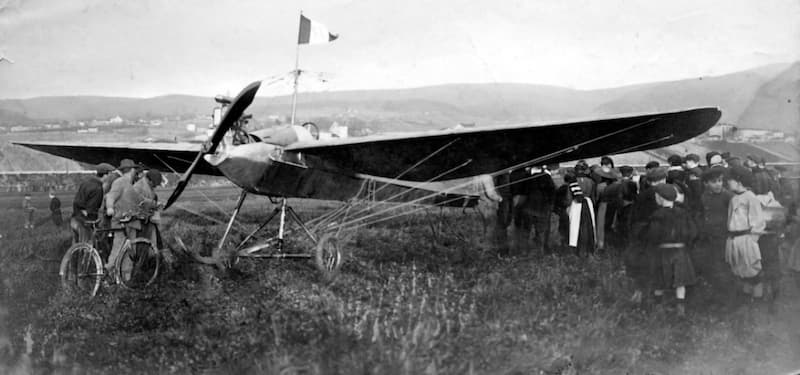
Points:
x=418 y=294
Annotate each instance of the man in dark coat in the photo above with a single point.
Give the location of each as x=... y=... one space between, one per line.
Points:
x=643 y=183
x=55 y=209
x=709 y=254
x=532 y=209
x=605 y=176
x=85 y=206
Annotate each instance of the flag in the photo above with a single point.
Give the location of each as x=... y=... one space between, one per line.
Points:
x=313 y=32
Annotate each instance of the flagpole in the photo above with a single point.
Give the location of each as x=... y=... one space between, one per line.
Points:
x=296 y=73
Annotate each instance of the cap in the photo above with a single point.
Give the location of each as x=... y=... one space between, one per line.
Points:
x=667 y=191
x=104 y=167
x=656 y=174
x=712 y=174
x=675 y=160
x=126 y=164
x=605 y=160
x=651 y=165
x=154 y=176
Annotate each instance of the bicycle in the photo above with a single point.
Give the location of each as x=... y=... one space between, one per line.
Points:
x=82 y=269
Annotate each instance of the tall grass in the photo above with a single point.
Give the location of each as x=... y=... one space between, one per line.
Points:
x=418 y=294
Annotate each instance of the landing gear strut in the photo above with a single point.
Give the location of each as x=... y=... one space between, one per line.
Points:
x=326 y=254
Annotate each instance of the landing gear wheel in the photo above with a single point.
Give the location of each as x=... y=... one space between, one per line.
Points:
x=81 y=270
x=137 y=264
x=328 y=258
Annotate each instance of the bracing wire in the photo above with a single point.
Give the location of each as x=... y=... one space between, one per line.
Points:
x=507 y=170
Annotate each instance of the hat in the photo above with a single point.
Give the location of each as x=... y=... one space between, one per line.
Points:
x=693 y=157
x=154 y=176
x=741 y=174
x=656 y=174
x=651 y=165
x=104 y=167
x=667 y=191
x=715 y=159
x=607 y=160
x=712 y=174
x=126 y=164
x=675 y=160
x=734 y=160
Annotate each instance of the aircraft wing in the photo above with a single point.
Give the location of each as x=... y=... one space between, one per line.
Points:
x=161 y=156
x=458 y=153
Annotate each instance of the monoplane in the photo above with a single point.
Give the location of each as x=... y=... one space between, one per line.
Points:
x=439 y=167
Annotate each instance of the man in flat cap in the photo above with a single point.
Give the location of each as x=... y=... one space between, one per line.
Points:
x=120 y=203
x=147 y=213
x=86 y=204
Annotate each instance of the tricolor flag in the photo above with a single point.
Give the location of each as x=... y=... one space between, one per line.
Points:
x=313 y=32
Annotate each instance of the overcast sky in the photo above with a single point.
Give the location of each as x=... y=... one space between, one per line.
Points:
x=205 y=47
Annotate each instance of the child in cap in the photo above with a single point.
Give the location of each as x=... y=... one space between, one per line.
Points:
x=746 y=223
x=669 y=233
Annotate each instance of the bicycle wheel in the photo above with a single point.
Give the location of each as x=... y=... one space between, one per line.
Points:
x=81 y=270
x=138 y=263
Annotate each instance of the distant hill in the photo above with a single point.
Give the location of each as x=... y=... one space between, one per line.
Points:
x=776 y=103
x=764 y=97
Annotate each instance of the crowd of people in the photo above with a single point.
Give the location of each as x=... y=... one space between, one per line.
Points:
x=121 y=198
x=684 y=224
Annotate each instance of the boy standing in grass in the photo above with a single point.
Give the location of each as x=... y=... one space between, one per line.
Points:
x=28 y=209
x=746 y=223
x=669 y=233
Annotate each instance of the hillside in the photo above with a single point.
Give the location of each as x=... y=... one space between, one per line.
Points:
x=764 y=97
x=776 y=103
x=760 y=93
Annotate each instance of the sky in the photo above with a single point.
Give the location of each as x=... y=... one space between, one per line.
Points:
x=146 y=48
